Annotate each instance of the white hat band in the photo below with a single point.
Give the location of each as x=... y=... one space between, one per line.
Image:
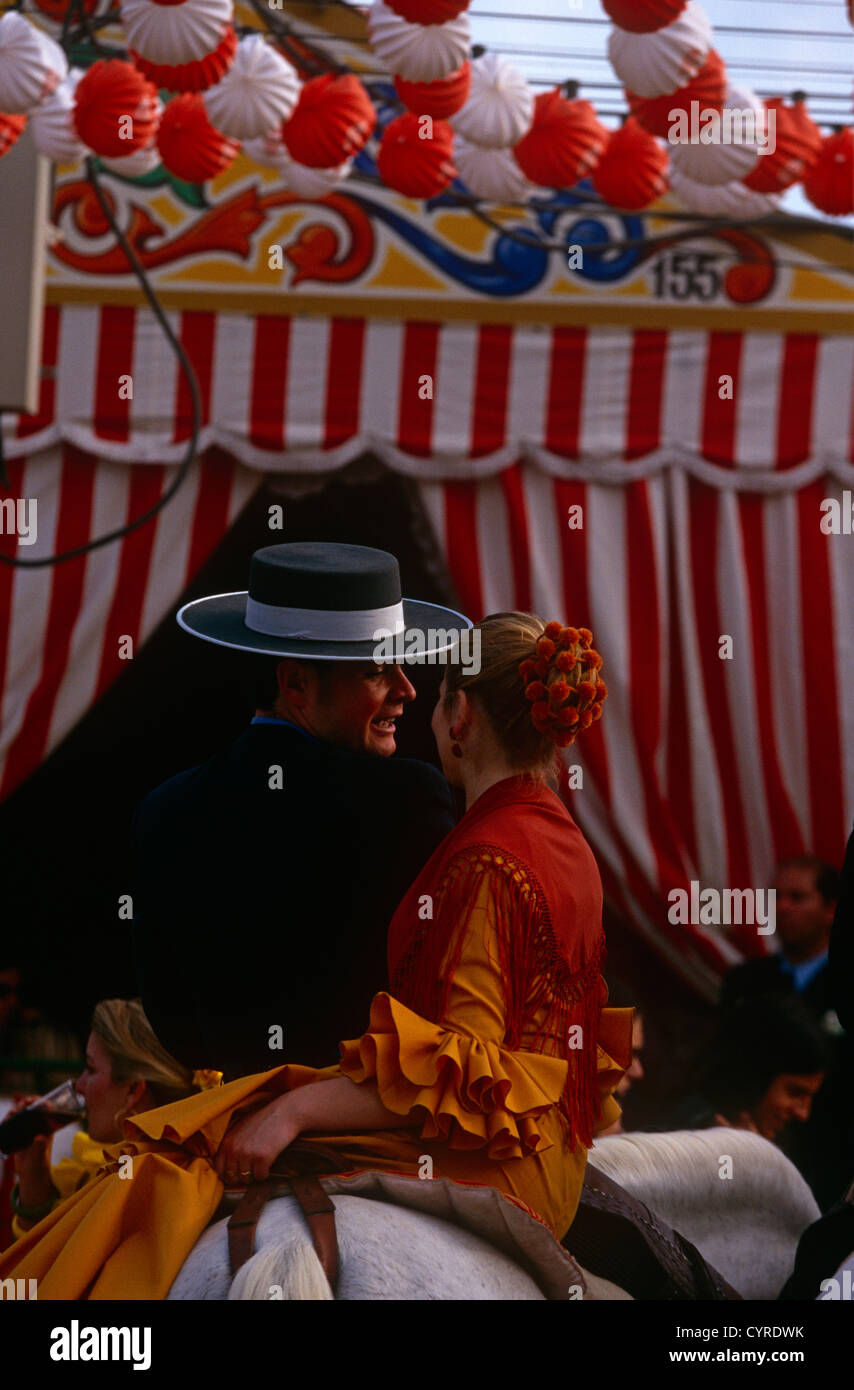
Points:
x=323 y=625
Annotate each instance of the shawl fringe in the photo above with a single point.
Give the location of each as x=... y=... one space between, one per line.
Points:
x=546 y=995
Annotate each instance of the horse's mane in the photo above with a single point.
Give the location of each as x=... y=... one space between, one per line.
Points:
x=671 y=1173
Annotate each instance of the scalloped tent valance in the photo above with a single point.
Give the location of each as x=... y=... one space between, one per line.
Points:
x=752 y=411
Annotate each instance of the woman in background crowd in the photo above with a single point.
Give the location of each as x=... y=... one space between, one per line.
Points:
x=762 y=1070
x=126 y=1072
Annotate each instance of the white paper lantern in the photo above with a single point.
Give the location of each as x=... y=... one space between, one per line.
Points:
x=259 y=90
x=52 y=124
x=134 y=165
x=297 y=178
x=491 y=173
x=32 y=65
x=653 y=65
x=175 y=34
x=721 y=200
x=735 y=151
x=418 y=52
x=500 y=104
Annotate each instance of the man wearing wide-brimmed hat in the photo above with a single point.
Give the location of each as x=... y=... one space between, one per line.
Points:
x=266 y=878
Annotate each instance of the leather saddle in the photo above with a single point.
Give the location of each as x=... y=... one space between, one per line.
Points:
x=613 y=1235
x=617 y=1237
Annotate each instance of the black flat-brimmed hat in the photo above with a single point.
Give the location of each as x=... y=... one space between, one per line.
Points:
x=323 y=602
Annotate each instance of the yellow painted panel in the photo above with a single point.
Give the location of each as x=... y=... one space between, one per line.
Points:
x=466 y=233
x=811 y=284
x=163 y=205
x=398 y=272
x=635 y=288
x=562 y=285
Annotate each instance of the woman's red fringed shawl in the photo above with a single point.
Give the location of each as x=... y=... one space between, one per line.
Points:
x=550 y=938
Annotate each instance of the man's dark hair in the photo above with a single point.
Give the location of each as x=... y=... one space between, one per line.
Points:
x=266 y=682
x=825 y=877
x=262 y=678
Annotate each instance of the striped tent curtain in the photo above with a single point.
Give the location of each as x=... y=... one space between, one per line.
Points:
x=703 y=768
x=61 y=625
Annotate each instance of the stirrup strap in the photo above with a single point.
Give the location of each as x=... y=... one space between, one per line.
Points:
x=319 y=1213
x=316 y=1207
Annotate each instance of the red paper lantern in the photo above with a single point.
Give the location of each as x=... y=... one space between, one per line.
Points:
x=57 y=9
x=829 y=184
x=797 y=141
x=442 y=98
x=428 y=11
x=563 y=144
x=190 y=147
x=643 y=16
x=632 y=172
x=10 y=129
x=332 y=120
x=411 y=164
x=708 y=89
x=191 y=77
x=109 y=93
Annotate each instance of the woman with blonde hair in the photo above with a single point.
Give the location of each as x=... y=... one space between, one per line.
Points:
x=127 y=1072
x=492 y=1053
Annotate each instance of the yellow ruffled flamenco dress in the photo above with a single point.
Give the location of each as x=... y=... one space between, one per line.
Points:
x=485 y=1114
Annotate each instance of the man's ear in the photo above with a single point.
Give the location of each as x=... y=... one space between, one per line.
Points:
x=293 y=678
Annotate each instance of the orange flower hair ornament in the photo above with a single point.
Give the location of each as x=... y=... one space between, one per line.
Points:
x=563 y=684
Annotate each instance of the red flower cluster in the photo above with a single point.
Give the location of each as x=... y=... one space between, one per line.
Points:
x=565 y=692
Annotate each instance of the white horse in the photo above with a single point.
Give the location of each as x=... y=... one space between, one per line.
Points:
x=385 y=1252
x=731 y=1193
x=391 y=1252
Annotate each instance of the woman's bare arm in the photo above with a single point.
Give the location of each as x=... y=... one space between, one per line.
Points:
x=335 y=1106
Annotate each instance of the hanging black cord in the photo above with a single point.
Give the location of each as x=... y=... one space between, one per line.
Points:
x=701 y=226
x=189 y=374
x=637 y=243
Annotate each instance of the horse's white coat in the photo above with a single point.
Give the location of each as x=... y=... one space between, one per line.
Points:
x=746 y=1226
x=385 y=1252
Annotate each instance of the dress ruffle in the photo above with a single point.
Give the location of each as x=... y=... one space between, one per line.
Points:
x=474 y=1093
x=614 y=1057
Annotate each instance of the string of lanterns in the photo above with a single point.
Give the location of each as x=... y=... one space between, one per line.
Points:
x=474 y=118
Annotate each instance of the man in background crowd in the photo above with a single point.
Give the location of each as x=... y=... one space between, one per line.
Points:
x=807 y=890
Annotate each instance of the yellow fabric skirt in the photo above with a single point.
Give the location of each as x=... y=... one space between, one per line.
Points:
x=128 y=1231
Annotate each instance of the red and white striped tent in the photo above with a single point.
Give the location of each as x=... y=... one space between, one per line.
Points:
x=701 y=519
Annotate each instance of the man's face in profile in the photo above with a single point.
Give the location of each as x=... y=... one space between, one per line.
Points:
x=351 y=704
